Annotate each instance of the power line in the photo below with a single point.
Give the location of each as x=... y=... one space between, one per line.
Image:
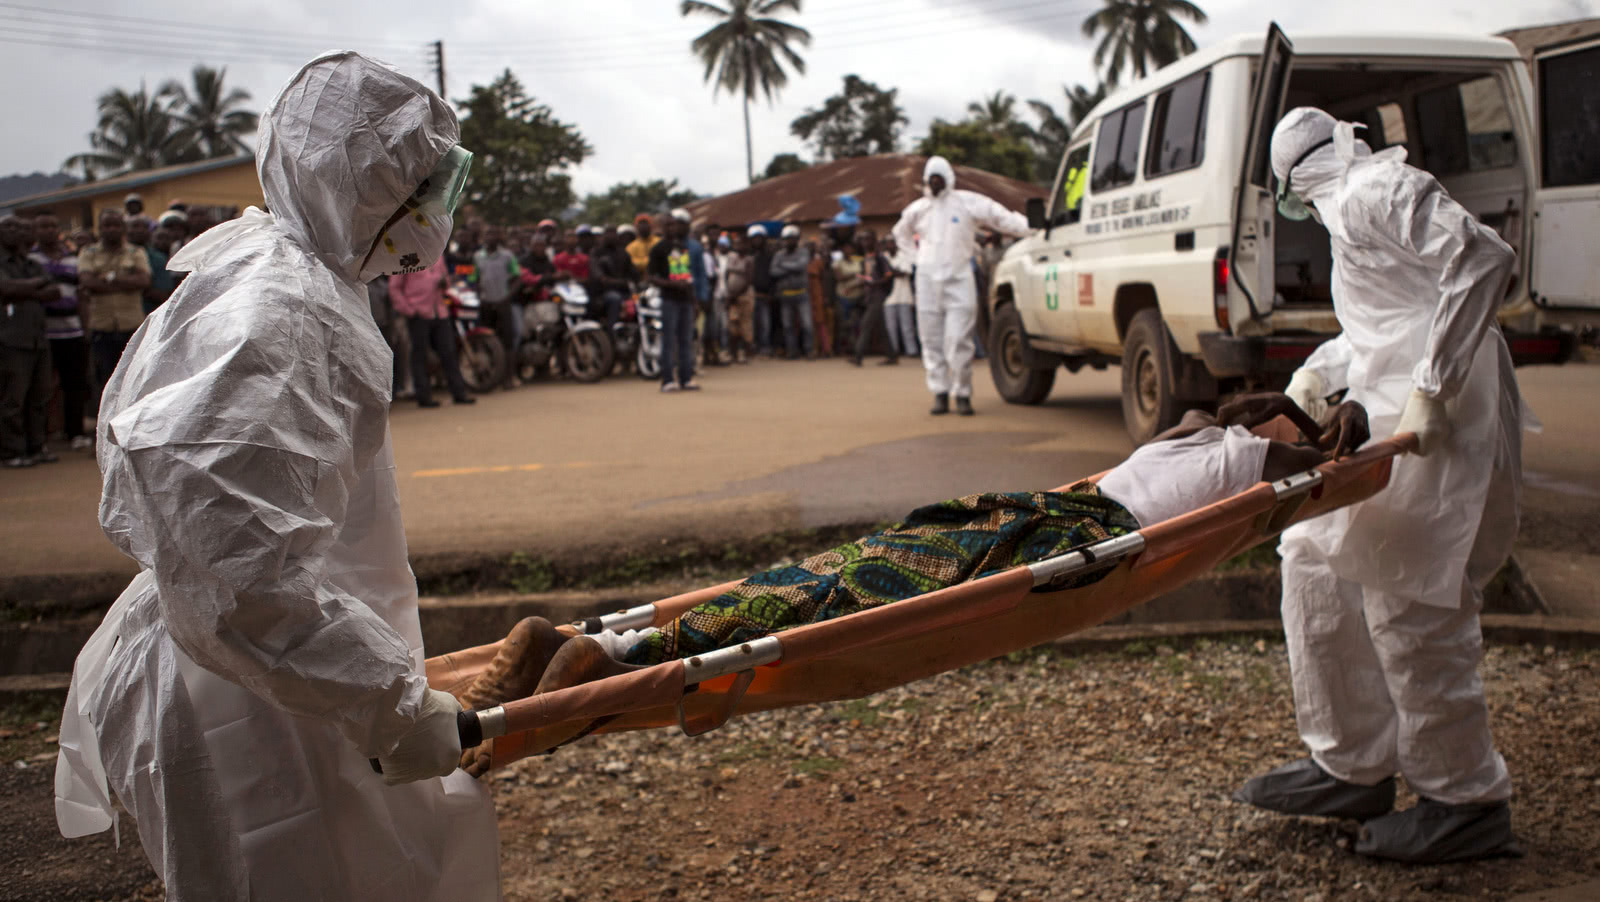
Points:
x=169 y=24
x=182 y=43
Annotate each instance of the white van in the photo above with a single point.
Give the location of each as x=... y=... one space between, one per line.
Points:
x=1148 y=255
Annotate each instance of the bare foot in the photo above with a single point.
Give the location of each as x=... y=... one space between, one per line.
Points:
x=580 y=661
x=517 y=666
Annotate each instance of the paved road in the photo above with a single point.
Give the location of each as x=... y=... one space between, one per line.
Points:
x=559 y=469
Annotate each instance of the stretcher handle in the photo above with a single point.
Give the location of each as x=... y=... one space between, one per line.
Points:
x=468 y=726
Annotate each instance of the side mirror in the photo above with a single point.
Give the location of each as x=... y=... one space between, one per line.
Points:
x=1034 y=208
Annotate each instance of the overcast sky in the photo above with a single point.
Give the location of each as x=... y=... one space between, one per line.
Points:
x=620 y=69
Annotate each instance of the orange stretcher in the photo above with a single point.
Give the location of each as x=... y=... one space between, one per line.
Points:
x=908 y=640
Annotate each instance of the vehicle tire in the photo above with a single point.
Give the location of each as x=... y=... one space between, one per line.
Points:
x=649 y=356
x=1015 y=381
x=589 y=355
x=483 y=362
x=1148 y=356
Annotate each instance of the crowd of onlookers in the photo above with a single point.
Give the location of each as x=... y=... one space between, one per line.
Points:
x=746 y=292
x=71 y=303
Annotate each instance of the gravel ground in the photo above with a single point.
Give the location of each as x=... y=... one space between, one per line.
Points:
x=1103 y=775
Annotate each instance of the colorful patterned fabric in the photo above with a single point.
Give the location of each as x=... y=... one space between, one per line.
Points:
x=937 y=546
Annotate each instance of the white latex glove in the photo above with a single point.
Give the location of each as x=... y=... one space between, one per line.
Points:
x=1424 y=416
x=1308 y=391
x=433 y=746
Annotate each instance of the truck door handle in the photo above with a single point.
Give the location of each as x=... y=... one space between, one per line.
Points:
x=1044 y=258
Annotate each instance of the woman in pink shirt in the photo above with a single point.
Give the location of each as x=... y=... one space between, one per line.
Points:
x=419 y=297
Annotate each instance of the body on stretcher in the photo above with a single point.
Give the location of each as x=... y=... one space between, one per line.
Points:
x=882 y=647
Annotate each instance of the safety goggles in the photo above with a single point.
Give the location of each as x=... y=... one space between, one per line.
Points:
x=440 y=192
x=1289 y=204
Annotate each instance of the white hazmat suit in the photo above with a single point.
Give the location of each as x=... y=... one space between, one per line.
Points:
x=943 y=228
x=1381 y=599
x=270 y=644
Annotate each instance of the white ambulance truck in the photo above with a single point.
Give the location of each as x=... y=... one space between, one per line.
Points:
x=1160 y=248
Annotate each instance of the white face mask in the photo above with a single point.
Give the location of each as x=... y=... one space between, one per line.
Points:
x=421 y=233
x=411 y=244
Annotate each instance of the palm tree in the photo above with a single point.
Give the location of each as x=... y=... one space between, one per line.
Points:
x=135 y=132
x=209 y=116
x=996 y=112
x=746 y=52
x=1141 y=34
x=1055 y=128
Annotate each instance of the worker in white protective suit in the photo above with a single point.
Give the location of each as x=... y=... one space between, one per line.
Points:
x=270 y=644
x=1381 y=599
x=943 y=226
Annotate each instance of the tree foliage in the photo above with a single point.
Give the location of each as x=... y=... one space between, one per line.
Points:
x=625 y=200
x=1055 y=129
x=746 y=51
x=521 y=153
x=783 y=164
x=143 y=130
x=1141 y=35
x=861 y=120
x=973 y=143
x=997 y=113
x=208 y=115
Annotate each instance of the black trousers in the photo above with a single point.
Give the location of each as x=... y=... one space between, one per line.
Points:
x=24 y=400
x=873 y=325
x=71 y=359
x=108 y=348
x=437 y=334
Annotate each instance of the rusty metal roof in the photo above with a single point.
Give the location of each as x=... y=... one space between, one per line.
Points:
x=884 y=184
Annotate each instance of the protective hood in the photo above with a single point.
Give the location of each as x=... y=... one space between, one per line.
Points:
x=939 y=166
x=342 y=145
x=1319 y=175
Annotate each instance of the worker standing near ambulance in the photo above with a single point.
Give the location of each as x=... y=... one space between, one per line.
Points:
x=1381 y=599
x=943 y=225
x=270 y=644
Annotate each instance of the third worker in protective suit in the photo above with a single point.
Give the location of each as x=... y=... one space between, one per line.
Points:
x=1381 y=599
x=943 y=225
x=270 y=644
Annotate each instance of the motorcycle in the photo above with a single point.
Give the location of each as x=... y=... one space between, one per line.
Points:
x=648 y=331
x=479 y=352
x=559 y=330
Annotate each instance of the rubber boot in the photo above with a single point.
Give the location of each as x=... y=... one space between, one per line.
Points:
x=1301 y=787
x=1436 y=833
x=941 y=405
x=964 y=406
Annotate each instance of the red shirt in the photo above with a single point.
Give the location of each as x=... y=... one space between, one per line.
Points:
x=575 y=264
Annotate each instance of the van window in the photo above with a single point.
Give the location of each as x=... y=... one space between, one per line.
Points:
x=1569 y=113
x=1178 y=127
x=1072 y=186
x=1116 y=154
x=1466 y=128
x=1386 y=126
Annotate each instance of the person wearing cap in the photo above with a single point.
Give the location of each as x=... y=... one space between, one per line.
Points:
x=671 y=270
x=790 y=282
x=640 y=247
x=764 y=315
x=586 y=238
x=611 y=275
x=550 y=231
x=133 y=208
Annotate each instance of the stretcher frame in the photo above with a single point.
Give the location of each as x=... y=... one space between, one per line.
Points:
x=894 y=644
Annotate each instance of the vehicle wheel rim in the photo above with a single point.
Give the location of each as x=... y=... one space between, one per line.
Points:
x=1011 y=354
x=1148 y=384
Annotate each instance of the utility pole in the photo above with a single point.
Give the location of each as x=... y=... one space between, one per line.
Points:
x=438 y=65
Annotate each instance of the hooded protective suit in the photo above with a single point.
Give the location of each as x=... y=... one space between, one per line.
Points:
x=270 y=644
x=1381 y=599
x=944 y=229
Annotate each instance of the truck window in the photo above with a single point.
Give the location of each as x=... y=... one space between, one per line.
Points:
x=1386 y=126
x=1178 y=127
x=1466 y=128
x=1072 y=187
x=1569 y=114
x=1116 y=155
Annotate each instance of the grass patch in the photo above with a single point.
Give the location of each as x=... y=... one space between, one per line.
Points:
x=816 y=765
x=857 y=709
x=748 y=751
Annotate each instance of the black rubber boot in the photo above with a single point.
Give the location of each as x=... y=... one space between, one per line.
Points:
x=1436 y=833
x=964 y=406
x=1301 y=787
x=941 y=405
